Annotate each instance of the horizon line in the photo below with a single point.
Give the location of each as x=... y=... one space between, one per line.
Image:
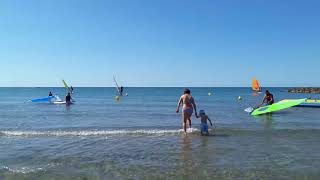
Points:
x=159 y=87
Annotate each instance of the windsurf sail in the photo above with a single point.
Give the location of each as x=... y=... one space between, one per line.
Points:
x=117 y=86
x=46 y=99
x=66 y=86
x=277 y=107
x=307 y=103
x=256 y=85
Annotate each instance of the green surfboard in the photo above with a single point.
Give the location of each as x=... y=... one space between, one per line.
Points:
x=277 y=107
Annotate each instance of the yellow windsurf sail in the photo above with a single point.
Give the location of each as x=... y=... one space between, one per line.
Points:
x=66 y=86
x=255 y=85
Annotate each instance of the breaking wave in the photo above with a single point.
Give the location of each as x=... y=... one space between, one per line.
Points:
x=95 y=133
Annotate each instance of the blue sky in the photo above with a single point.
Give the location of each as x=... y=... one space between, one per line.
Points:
x=159 y=42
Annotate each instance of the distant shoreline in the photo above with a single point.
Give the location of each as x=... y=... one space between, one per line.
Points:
x=309 y=90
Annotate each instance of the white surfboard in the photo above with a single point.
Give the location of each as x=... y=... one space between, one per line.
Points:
x=61 y=102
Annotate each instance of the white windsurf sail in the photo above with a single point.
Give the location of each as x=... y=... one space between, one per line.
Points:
x=117 y=86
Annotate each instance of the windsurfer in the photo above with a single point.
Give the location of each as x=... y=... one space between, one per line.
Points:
x=268 y=98
x=121 y=90
x=68 y=98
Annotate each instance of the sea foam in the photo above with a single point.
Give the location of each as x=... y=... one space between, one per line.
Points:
x=96 y=133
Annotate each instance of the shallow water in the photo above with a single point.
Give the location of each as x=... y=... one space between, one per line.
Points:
x=140 y=137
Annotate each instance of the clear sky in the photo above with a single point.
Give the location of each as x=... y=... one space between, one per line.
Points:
x=159 y=42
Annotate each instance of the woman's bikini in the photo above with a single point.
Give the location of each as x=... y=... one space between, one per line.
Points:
x=187 y=108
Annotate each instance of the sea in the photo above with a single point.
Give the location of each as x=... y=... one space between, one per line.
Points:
x=140 y=136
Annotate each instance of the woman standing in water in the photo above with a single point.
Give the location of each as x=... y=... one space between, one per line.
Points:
x=187 y=110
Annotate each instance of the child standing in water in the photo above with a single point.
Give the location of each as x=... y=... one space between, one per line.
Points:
x=204 y=124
